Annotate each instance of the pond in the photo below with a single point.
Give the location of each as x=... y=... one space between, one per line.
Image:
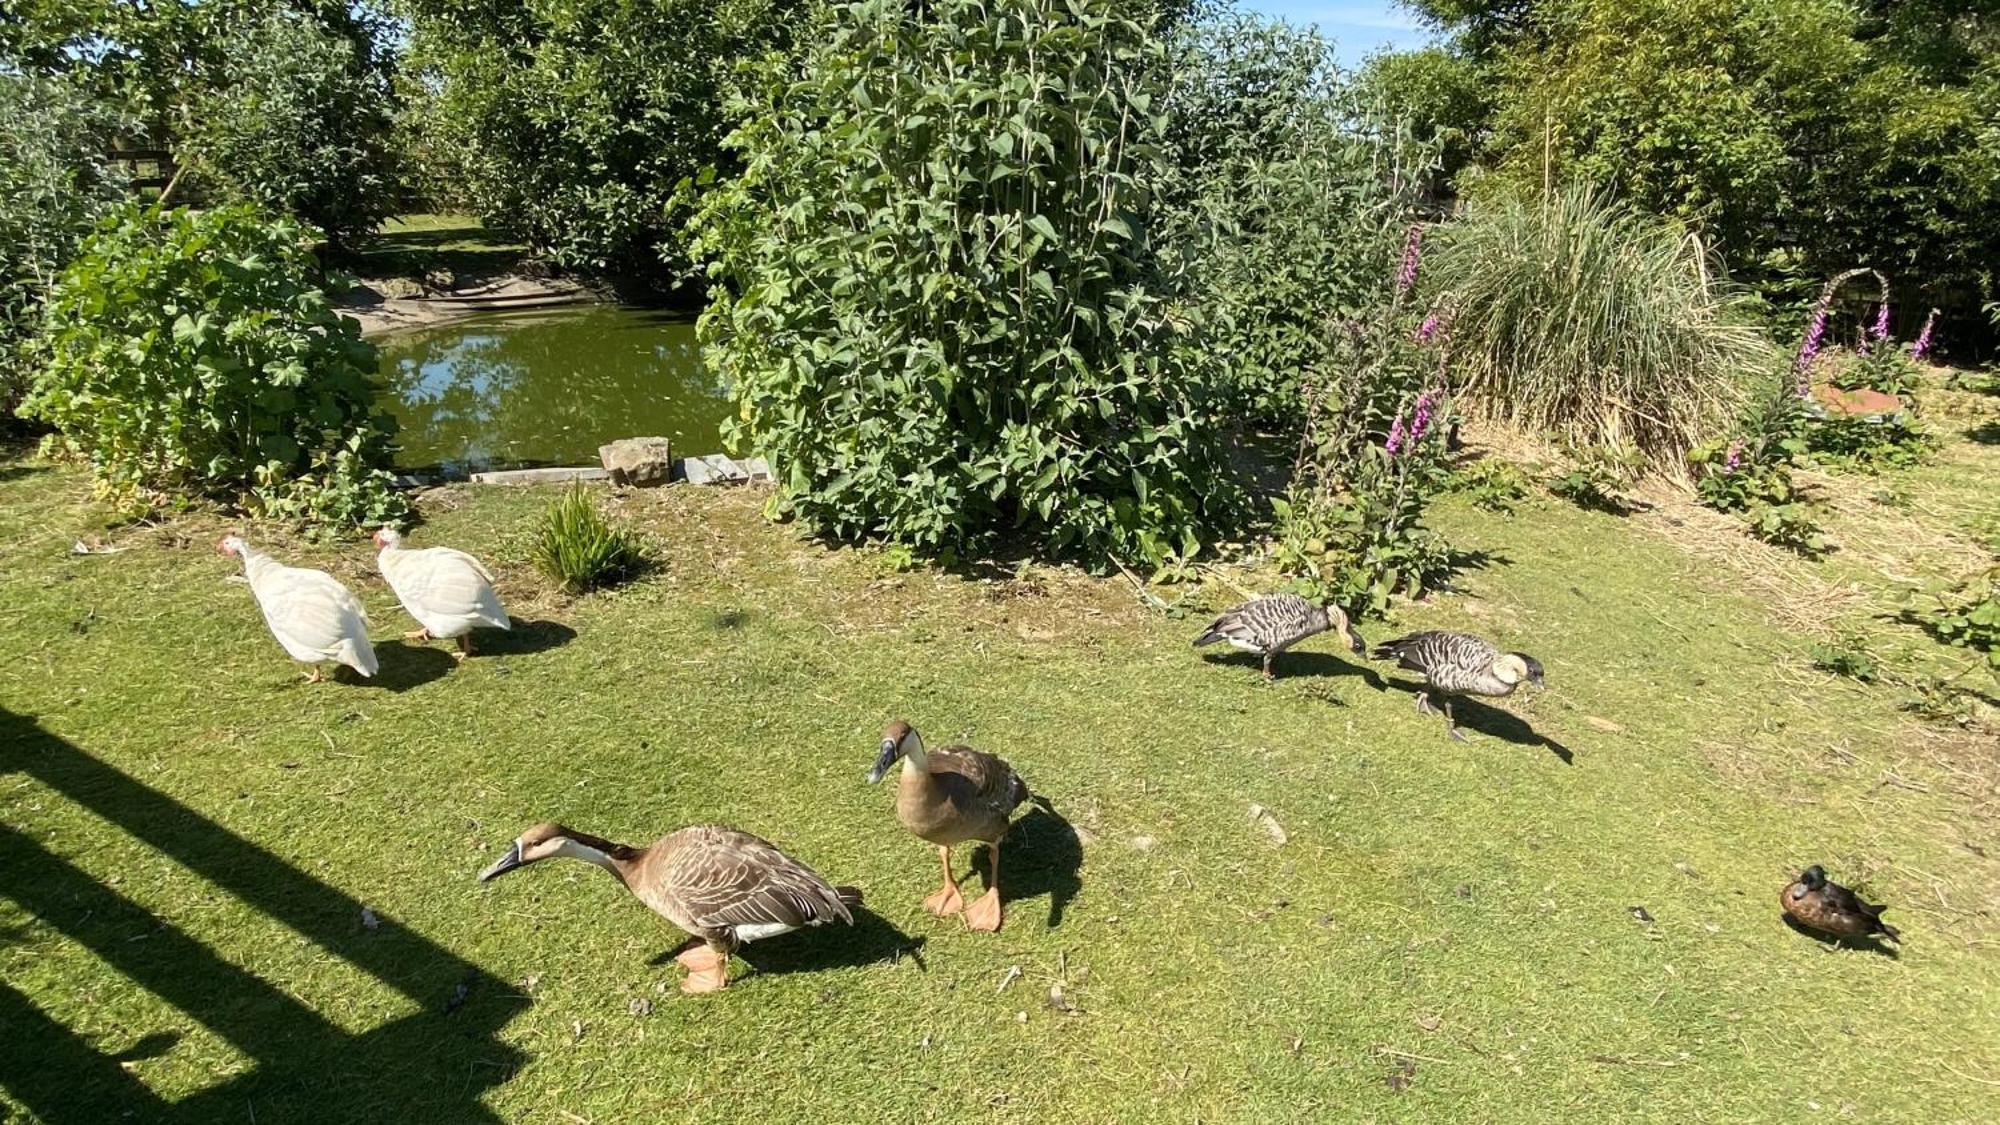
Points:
x=511 y=391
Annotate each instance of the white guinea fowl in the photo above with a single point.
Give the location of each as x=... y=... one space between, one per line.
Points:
x=314 y=617
x=449 y=592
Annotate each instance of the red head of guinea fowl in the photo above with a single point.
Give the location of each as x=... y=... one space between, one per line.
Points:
x=1818 y=903
x=956 y=795
x=722 y=886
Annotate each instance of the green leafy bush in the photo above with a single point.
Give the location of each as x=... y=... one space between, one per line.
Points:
x=1598 y=477
x=1288 y=192
x=189 y=353
x=1794 y=526
x=1590 y=321
x=1492 y=484
x=55 y=183
x=1964 y=614
x=577 y=547
x=1869 y=445
x=1847 y=655
x=939 y=302
x=294 y=119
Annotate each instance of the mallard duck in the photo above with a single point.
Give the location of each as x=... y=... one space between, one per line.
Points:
x=1459 y=664
x=449 y=592
x=314 y=617
x=1820 y=904
x=722 y=886
x=1269 y=625
x=953 y=796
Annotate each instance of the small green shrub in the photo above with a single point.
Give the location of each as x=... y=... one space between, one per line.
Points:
x=1794 y=526
x=1885 y=368
x=578 y=548
x=1939 y=699
x=1599 y=477
x=1847 y=655
x=1867 y=445
x=190 y=354
x=1965 y=614
x=1593 y=322
x=1492 y=484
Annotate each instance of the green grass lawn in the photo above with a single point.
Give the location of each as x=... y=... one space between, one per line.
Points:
x=415 y=244
x=1448 y=932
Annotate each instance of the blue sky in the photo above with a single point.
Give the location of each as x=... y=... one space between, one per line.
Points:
x=1359 y=27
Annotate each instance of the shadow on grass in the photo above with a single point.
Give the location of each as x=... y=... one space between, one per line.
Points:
x=1041 y=855
x=17 y=471
x=1492 y=721
x=525 y=639
x=871 y=940
x=404 y=665
x=1986 y=433
x=432 y=1064
x=1298 y=665
x=1833 y=941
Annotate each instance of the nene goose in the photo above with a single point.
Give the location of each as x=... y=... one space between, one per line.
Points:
x=314 y=617
x=953 y=796
x=1455 y=664
x=448 y=592
x=723 y=887
x=1828 y=907
x=1269 y=625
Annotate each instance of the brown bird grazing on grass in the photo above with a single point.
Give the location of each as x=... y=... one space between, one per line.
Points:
x=722 y=886
x=1819 y=904
x=953 y=796
x=1269 y=625
x=1459 y=664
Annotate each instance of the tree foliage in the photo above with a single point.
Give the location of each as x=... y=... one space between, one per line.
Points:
x=941 y=306
x=55 y=183
x=1290 y=191
x=572 y=123
x=188 y=353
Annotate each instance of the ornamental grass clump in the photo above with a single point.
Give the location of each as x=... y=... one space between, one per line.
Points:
x=1589 y=321
x=581 y=550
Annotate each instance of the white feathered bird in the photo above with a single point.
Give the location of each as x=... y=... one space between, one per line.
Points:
x=314 y=617
x=449 y=592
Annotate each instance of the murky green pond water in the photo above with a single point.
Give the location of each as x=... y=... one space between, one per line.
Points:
x=547 y=388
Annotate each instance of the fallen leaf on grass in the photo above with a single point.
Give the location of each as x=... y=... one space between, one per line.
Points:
x=1261 y=816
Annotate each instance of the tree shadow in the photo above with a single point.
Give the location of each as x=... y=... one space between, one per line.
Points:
x=17 y=471
x=525 y=639
x=432 y=1064
x=1985 y=433
x=1298 y=664
x=871 y=940
x=1835 y=941
x=403 y=666
x=1495 y=722
x=1041 y=855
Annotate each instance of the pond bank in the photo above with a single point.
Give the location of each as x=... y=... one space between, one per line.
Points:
x=383 y=305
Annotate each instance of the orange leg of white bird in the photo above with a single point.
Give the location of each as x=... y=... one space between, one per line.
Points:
x=708 y=969
x=314 y=673
x=947 y=900
x=418 y=635
x=983 y=916
x=464 y=647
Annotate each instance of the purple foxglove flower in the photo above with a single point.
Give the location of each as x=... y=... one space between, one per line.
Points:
x=1809 y=350
x=1420 y=417
x=1734 y=460
x=1429 y=329
x=1922 y=346
x=1880 y=330
x=1406 y=274
x=1395 y=442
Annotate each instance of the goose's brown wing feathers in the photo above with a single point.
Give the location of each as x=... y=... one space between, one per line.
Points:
x=724 y=878
x=982 y=778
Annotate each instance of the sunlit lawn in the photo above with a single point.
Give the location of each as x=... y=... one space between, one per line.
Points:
x=1576 y=913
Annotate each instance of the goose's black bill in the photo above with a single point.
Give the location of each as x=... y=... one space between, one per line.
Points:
x=890 y=752
x=504 y=864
